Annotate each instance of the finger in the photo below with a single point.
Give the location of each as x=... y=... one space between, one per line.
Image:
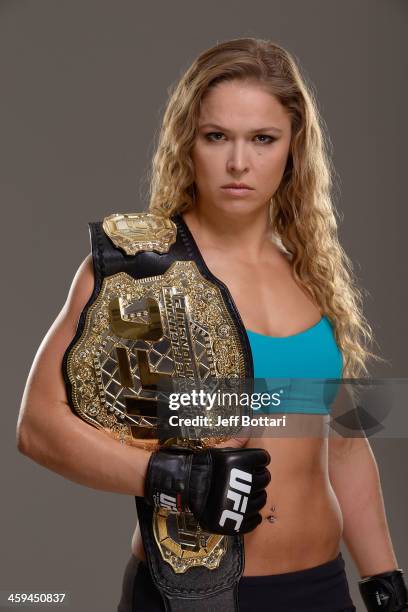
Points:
x=259 y=456
x=260 y=481
x=258 y=501
x=251 y=524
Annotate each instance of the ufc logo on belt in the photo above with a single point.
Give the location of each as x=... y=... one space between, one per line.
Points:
x=162 y=500
x=236 y=487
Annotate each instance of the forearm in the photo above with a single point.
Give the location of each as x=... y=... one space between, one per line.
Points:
x=67 y=445
x=356 y=482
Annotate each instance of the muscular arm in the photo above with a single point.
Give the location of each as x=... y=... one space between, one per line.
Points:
x=355 y=479
x=47 y=430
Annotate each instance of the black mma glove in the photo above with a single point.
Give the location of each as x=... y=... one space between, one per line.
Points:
x=224 y=488
x=385 y=592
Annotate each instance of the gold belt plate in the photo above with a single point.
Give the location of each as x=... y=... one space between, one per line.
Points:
x=137 y=331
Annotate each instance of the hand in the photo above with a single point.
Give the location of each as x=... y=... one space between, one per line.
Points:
x=386 y=592
x=224 y=488
x=233 y=443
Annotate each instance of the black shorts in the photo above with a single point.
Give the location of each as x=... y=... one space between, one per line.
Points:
x=323 y=588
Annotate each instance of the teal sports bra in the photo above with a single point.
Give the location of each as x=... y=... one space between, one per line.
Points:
x=300 y=365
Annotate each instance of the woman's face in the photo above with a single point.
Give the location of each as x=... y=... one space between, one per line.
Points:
x=243 y=136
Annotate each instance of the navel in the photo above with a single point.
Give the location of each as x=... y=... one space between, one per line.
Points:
x=272 y=518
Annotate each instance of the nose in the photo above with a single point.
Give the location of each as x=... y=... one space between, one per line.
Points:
x=237 y=158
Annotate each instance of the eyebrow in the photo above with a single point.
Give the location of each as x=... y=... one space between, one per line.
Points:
x=257 y=131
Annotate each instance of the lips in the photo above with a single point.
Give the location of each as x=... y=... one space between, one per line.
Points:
x=237 y=192
x=236 y=186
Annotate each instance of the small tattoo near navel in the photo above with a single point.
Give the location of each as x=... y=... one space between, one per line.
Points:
x=271 y=517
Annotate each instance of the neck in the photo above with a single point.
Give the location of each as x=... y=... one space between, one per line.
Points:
x=247 y=234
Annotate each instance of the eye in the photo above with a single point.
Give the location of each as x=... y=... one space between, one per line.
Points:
x=218 y=136
x=210 y=134
x=271 y=138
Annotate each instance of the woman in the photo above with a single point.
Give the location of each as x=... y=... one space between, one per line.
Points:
x=242 y=158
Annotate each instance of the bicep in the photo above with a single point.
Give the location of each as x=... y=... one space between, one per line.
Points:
x=45 y=385
x=345 y=429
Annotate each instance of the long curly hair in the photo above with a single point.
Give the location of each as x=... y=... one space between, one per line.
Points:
x=302 y=212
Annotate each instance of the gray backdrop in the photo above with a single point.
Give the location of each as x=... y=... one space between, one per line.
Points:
x=83 y=84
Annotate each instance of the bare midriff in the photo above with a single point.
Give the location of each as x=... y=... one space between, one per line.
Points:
x=301 y=521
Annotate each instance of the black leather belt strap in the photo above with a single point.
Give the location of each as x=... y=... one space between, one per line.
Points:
x=199 y=589
x=227 y=600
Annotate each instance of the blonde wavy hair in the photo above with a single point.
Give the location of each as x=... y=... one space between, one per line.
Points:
x=302 y=213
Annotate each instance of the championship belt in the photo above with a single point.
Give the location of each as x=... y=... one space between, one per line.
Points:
x=159 y=320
